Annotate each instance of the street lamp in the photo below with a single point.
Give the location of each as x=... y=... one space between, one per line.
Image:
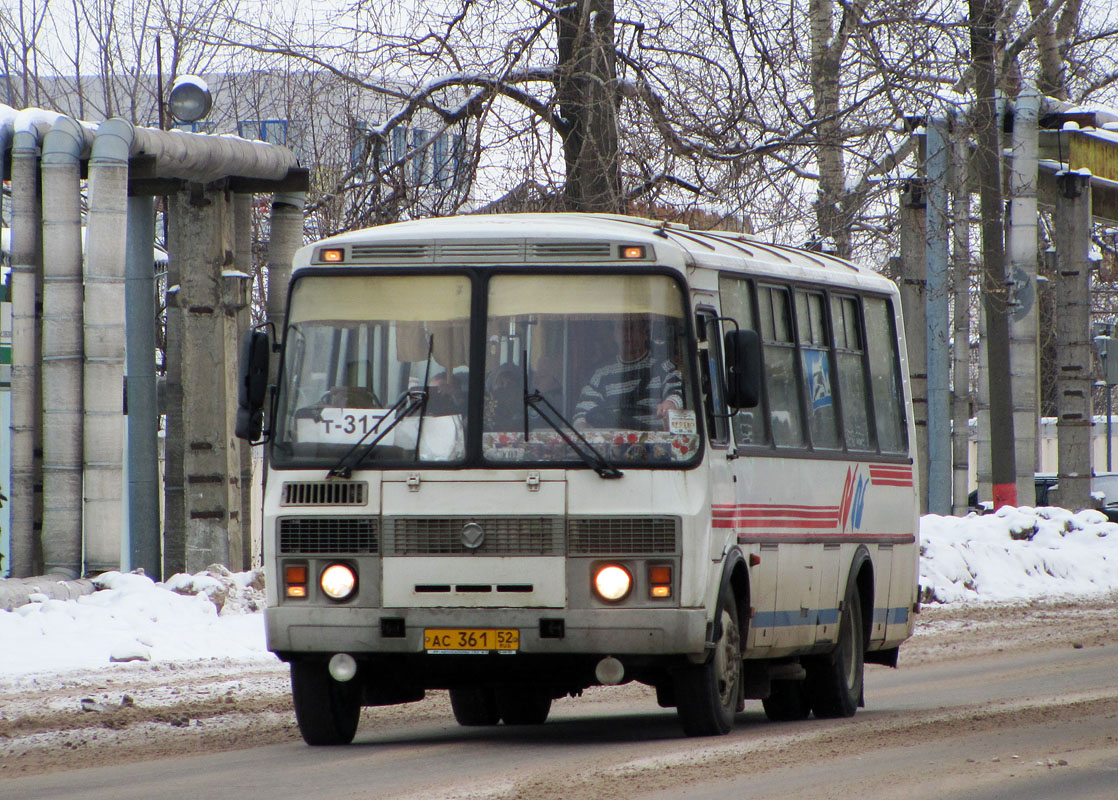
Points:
x=190 y=99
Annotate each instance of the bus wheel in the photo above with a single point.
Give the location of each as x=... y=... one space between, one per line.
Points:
x=327 y=711
x=787 y=701
x=474 y=706
x=834 y=681
x=523 y=705
x=707 y=694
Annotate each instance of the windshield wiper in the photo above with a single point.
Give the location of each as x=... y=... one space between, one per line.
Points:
x=410 y=402
x=550 y=414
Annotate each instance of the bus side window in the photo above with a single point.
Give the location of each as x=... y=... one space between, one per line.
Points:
x=885 y=378
x=737 y=303
x=815 y=356
x=781 y=379
x=850 y=351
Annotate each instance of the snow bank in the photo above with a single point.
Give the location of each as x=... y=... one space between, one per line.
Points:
x=1017 y=554
x=133 y=618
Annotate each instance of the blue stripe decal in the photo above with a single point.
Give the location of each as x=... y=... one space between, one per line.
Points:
x=822 y=616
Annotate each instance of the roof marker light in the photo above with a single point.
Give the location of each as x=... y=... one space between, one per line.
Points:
x=632 y=251
x=333 y=255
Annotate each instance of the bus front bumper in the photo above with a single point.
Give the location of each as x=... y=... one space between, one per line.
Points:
x=614 y=631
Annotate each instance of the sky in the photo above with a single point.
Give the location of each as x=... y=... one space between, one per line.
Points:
x=1015 y=554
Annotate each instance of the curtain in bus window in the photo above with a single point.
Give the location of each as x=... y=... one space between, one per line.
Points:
x=816 y=369
x=888 y=401
x=851 y=372
x=737 y=303
x=781 y=381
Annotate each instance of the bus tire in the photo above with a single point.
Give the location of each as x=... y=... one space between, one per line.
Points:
x=834 y=681
x=327 y=711
x=474 y=706
x=523 y=705
x=787 y=701
x=707 y=694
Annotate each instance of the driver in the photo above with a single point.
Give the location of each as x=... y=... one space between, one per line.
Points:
x=634 y=391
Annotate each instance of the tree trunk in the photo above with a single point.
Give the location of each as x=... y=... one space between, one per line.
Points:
x=826 y=52
x=987 y=162
x=587 y=95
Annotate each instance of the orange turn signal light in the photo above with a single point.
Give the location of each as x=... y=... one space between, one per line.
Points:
x=333 y=255
x=295 y=580
x=660 y=581
x=633 y=251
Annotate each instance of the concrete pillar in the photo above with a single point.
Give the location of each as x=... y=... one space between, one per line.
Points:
x=912 y=287
x=938 y=345
x=1024 y=353
x=203 y=386
x=1073 y=339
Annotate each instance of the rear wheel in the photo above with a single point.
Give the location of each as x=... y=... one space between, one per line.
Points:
x=327 y=711
x=707 y=694
x=523 y=705
x=787 y=701
x=834 y=681
x=474 y=706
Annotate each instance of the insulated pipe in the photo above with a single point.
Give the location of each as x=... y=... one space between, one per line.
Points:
x=104 y=337
x=201 y=158
x=26 y=257
x=63 y=147
x=7 y=131
x=286 y=238
x=242 y=260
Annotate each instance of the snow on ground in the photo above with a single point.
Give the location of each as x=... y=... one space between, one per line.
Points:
x=1014 y=554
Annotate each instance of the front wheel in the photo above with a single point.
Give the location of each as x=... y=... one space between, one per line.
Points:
x=707 y=694
x=327 y=711
x=834 y=681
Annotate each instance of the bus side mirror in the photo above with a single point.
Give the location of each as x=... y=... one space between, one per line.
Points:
x=256 y=350
x=743 y=368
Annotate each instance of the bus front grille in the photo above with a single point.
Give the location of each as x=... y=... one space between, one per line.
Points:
x=328 y=535
x=622 y=535
x=504 y=536
x=324 y=493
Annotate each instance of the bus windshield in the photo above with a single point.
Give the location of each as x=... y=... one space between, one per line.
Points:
x=378 y=371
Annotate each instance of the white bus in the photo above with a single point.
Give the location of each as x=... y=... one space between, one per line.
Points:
x=518 y=456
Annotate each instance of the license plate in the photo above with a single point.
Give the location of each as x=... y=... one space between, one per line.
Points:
x=471 y=640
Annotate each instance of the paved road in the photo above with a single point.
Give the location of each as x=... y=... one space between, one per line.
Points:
x=1021 y=724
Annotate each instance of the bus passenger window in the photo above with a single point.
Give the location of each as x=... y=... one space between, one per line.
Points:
x=847 y=323
x=815 y=354
x=781 y=380
x=737 y=303
x=888 y=401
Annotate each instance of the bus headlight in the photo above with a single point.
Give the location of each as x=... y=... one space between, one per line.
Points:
x=338 y=581
x=612 y=582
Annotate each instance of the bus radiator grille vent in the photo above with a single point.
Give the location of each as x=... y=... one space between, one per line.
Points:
x=372 y=253
x=324 y=493
x=504 y=536
x=622 y=535
x=328 y=535
x=573 y=251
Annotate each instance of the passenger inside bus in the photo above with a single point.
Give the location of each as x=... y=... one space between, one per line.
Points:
x=634 y=390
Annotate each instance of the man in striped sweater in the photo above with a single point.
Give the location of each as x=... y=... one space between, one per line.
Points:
x=635 y=391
